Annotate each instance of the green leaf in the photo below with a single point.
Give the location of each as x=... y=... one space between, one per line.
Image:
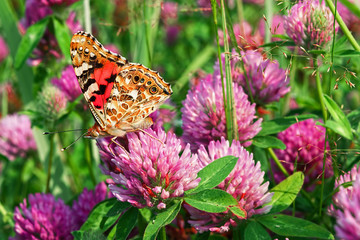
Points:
x=97 y=218
x=338 y=128
x=63 y=37
x=239 y=212
x=162 y=219
x=29 y=41
x=347 y=53
x=214 y=173
x=285 y=43
x=9 y=26
x=211 y=200
x=268 y=142
x=126 y=223
x=354 y=118
x=341 y=42
x=294 y=227
x=286 y=192
x=77 y=234
x=88 y=235
x=145 y=213
x=280 y=124
x=317 y=52
x=254 y=231
x=341 y=124
x=117 y=208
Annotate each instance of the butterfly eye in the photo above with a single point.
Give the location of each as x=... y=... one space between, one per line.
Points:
x=153 y=90
x=142 y=80
x=136 y=79
x=148 y=83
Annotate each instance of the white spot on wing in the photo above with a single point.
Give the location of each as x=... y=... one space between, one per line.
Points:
x=134 y=93
x=78 y=71
x=85 y=66
x=93 y=87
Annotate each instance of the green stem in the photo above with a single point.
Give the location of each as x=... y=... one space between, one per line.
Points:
x=51 y=153
x=87 y=16
x=343 y=26
x=332 y=50
x=277 y=162
x=147 y=34
x=323 y=174
x=269 y=18
x=319 y=89
x=324 y=112
x=214 y=6
x=4 y=104
x=240 y=10
x=231 y=123
x=66 y=158
x=89 y=161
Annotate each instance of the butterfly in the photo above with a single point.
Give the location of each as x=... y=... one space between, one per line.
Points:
x=120 y=94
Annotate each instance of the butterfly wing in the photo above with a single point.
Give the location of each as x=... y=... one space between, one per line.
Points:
x=96 y=69
x=137 y=92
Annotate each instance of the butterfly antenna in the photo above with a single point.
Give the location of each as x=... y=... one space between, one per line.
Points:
x=63 y=149
x=73 y=130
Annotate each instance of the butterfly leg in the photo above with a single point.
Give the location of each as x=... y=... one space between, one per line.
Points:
x=141 y=130
x=113 y=141
x=144 y=124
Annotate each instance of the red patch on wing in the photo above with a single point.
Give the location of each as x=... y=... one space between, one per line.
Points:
x=104 y=77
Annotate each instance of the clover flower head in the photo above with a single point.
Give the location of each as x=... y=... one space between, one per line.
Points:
x=54 y=3
x=244 y=183
x=4 y=51
x=347 y=208
x=51 y=103
x=347 y=177
x=244 y=35
x=305 y=142
x=310 y=24
x=203 y=114
x=150 y=172
x=68 y=83
x=44 y=218
x=267 y=81
x=169 y=11
x=276 y=27
x=16 y=137
x=86 y=201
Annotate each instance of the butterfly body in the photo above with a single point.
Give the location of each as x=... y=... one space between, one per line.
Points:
x=121 y=95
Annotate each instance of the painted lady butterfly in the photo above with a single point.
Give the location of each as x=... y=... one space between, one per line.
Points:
x=120 y=94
